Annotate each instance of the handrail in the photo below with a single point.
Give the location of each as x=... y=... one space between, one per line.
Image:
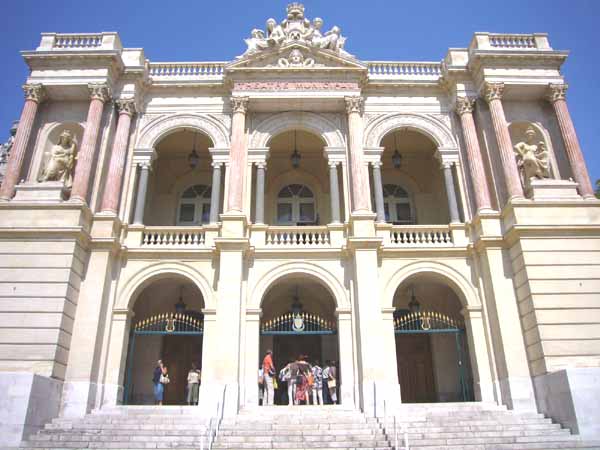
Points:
x=214 y=424
x=403 y=430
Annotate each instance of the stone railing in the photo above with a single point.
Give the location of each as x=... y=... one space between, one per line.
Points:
x=512 y=40
x=186 y=71
x=503 y=41
x=400 y=70
x=420 y=236
x=172 y=237
x=297 y=236
x=80 y=41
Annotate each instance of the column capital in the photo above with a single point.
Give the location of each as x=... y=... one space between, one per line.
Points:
x=261 y=165
x=464 y=105
x=557 y=91
x=239 y=104
x=332 y=163
x=354 y=104
x=217 y=164
x=35 y=92
x=126 y=106
x=376 y=164
x=99 y=91
x=493 y=91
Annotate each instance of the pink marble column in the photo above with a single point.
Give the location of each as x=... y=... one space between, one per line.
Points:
x=360 y=174
x=34 y=95
x=81 y=183
x=237 y=155
x=112 y=188
x=464 y=108
x=557 y=96
x=493 y=95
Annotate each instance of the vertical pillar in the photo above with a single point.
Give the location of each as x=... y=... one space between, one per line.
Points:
x=215 y=193
x=114 y=181
x=450 y=192
x=260 y=192
x=99 y=94
x=34 y=95
x=238 y=155
x=117 y=355
x=464 y=108
x=334 y=192
x=493 y=95
x=252 y=356
x=378 y=185
x=140 y=201
x=359 y=172
x=346 y=362
x=557 y=96
x=483 y=383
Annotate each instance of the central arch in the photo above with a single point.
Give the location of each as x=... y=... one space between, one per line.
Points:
x=313 y=123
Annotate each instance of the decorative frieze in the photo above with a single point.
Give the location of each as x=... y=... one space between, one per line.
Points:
x=278 y=86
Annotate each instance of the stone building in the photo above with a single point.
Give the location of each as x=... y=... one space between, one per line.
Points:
x=429 y=226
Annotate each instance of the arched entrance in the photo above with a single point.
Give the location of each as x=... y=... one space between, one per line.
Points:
x=299 y=321
x=168 y=324
x=431 y=346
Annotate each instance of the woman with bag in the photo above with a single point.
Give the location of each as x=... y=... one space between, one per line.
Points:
x=160 y=378
x=332 y=382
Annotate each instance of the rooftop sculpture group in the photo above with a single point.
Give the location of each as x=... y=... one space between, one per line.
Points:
x=295 y=29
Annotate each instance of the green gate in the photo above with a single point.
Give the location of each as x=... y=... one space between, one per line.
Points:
x=169 y=324
x=431 y=322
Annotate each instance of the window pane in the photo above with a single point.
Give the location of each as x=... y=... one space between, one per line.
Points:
x=189 y=193
x=403 y=211
x=305 y=192
x=401 y=193
x=307 y=212
x=285 y=192
x=284 y=212
x=186 y=213
x=207 y=192
x=386 y=208
x=206 y=213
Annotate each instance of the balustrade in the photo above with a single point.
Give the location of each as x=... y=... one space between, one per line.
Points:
x=173 y=237
x=183 y=69
x=400 y=69
x=298 y=237
x=80 y=40
x=421 y=235
x=512 y=41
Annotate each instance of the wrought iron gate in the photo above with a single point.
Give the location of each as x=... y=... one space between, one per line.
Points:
x=301 y=323
x=431 y=322
x=171 y=324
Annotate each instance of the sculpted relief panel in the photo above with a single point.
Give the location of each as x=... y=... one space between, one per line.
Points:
x=532 y=158
x=61 y=160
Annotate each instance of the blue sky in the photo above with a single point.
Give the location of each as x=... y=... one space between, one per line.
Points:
x=376 y=29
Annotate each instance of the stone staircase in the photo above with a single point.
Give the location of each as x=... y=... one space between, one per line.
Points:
x=450 y=426
x=477 y=426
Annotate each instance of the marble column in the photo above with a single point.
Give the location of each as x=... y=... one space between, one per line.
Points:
x=464 y=108
x=114 y=181
x=238 y=155
x=557 y=96
x=493 y=95
x=359 y=172
x=34 y=95
x=99 y=94
x=215 y=193
x=260 y=192
x=450 y=192
x=378 y=186
x=334 y=192
x=140 y=201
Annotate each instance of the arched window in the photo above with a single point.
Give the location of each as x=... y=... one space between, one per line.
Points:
x=296 y=205
x=398 y=209
x=194 y=206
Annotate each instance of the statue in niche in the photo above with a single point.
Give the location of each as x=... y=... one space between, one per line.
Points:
x=532 y=158
x=61 y=161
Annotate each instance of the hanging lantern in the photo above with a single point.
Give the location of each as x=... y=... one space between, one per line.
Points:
x=193 y=157
x=396 y=157
x=295 y=155
x=414 y=306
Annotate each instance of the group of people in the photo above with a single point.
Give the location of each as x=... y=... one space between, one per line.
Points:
x=298 y=382
x=161 y=379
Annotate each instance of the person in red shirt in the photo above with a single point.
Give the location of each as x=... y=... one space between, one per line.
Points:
x=268 y=374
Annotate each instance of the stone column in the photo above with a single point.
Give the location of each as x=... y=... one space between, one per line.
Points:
x=117 y=356
x=215 y=193
x=483 y=383
x=334 y=192
x=450 y=192
x=114 y=181
x=378 y=185
x=557 y=96
x=252 y=356
x=238 y=155
x=359 y=172
x=493 y=95
x=345 y=341
x=260 y=192
x=140 y=201
x=99 y=94
x=464 y=108
x=34 y=95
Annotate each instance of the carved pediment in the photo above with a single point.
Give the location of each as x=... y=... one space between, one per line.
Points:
x=293 y=57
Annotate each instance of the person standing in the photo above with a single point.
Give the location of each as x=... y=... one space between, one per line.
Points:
x=317 y=389
x=332 y=383
x=193 y=380
x=268 y=374
x=160 y=378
